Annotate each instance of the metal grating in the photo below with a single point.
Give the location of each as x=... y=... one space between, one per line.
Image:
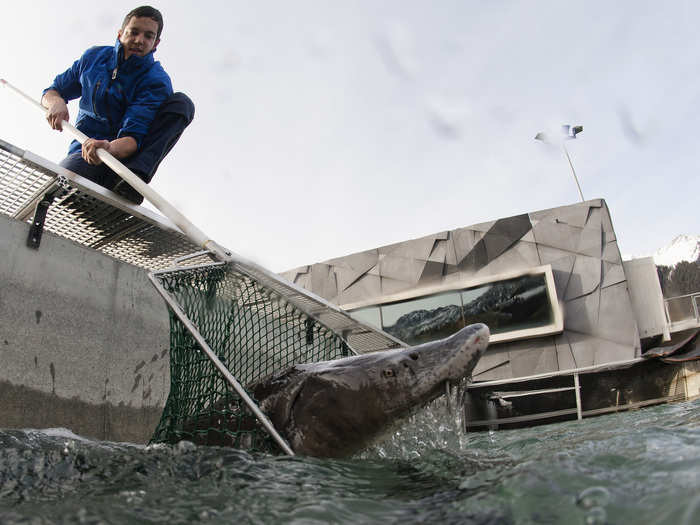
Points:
x=87 y=213
x=360 y=337
x=99 y=219
x=19 y=181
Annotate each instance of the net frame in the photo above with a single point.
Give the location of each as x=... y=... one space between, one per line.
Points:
x=250 y=324
x=312 y=306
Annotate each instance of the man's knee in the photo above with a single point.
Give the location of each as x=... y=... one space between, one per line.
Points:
x=100 y=174
x=179 y=104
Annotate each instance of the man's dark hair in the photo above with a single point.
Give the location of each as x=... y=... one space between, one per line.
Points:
x=148 y=12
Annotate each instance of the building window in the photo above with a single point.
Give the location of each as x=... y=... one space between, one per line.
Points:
x=421 y=320
x=509 y=305
x=512 y=306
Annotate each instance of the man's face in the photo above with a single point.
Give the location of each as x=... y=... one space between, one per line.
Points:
x=138 y=36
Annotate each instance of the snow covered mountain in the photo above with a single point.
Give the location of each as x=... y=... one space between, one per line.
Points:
x=682 y=248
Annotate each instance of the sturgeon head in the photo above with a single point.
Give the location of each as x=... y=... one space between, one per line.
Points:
x=336 y=408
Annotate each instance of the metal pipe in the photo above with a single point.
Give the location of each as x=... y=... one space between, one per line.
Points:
x=572 y=171
x=197 y=236
x=577 y=386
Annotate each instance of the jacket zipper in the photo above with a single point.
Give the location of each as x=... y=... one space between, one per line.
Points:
x=109 y=85
x=94 y=96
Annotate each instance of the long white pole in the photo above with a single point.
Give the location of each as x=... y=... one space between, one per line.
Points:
x=190 y=230
x=566 y=152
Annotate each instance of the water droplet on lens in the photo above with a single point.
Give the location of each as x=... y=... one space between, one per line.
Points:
x=596 y=516
x=185 y=446
x=593 y=497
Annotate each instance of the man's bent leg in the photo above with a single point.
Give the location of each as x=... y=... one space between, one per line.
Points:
x=170 y=121
x=100 y=174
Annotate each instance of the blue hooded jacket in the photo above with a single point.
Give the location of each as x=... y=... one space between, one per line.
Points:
x=118 y=98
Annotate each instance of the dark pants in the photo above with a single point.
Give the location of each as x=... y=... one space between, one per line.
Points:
x=170 y=121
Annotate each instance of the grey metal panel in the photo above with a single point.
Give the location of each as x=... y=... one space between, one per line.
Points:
x=293 y=274
x=360 y=262
x=346 y=277
x=565 y=357
x=609 y=351
x=591 y=241
x=562 y=264
x=450 y=252
x=556 y=235
x=571 y=215
x=323 y=280
x=366 y=287
x=582 y=313
x=432 y=272
x=647 y=298
x=521 y=256
x=562 y=213
x=482 y=227
x=392 y=286
x=303 y=280
x=439 y=252
x=463 y=240
x=533 y=356
x=611 y=252
x=585 y=277
x=607 y=226
x=418 y=248
x=614 y=323
x=401 y=268
x=493 y=365
x=612 y=274
x=583 y=347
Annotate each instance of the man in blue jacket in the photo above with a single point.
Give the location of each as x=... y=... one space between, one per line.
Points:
x=127 y=105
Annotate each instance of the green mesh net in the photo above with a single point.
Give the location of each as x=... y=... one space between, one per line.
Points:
x=253 y=330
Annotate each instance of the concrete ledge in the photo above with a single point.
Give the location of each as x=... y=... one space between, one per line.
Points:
x=84 y=340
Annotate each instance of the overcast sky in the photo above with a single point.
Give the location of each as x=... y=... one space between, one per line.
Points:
x=328 y=127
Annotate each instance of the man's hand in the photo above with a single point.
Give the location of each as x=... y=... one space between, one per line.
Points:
x=120 y=148
x=90 y=147
x=57 y=109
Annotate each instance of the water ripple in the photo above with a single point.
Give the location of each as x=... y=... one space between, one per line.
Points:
x=612 y=469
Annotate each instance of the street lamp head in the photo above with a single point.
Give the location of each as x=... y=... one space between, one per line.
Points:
x=568 y=132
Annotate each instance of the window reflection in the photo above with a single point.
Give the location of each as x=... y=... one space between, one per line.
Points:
x=514 y=304
x=369 y=315
x=426 y=319
x=504 y=306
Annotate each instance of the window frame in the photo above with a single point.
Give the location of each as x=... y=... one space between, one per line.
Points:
x=553 y=328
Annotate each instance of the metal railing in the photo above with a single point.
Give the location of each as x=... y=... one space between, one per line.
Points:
x=683 y=310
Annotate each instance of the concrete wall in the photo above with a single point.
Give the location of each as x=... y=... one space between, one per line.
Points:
x=83 y=340
x=578 y=241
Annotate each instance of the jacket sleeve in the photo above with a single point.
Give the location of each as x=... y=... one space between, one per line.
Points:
x=67 y=84
x=142 y=110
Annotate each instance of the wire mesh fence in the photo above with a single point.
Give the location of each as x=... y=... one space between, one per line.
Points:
x=253 y=330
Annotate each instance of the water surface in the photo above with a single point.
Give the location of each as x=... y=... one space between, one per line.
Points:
x=634 y=467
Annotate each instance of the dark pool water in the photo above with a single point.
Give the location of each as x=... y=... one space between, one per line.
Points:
x=634 y=467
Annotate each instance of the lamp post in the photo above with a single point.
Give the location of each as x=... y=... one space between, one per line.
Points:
x=568 y=133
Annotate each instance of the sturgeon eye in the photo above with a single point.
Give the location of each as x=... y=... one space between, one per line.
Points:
x=388 y=372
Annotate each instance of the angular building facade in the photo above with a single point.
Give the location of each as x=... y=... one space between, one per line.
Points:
x=591 y=320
